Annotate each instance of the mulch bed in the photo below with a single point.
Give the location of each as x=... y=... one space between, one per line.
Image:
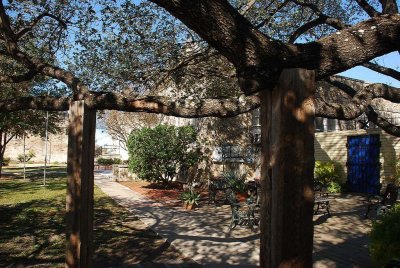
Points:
x=169 y=197
x=158 y=193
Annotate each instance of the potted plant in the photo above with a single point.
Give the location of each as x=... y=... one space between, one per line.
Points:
x=237 y=183
x=190 y=199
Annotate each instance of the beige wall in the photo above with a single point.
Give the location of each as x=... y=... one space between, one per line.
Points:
x=331 y=146
x=57 y=148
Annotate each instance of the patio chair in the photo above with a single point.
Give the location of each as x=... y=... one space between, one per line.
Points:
x=382 y=203
x=321 y=199
x=215 y=186
x=242 y=213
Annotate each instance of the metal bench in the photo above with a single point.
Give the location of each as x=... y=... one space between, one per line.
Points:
x=216 y=186
x=321 y=199
x=382 y=203
x=242 y=213
x=322 y=202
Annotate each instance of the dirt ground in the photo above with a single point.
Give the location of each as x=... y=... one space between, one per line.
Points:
x=169 y=197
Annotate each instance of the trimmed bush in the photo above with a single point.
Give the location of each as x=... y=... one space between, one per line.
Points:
x=108 y=161
x=385 y=238
x=157 y=154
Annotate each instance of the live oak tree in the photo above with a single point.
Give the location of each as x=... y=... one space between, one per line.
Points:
x=228 y=56
x=119 y=125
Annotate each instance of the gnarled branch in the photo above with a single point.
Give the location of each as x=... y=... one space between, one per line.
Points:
x=29 y=28
x=383 y=70
x=368 y=8
x=372 y=116
x=323 y=19
x=189 y=108
x=389 y=6
x=18 y=78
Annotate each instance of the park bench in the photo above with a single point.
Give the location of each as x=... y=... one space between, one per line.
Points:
x=215 y=186
x=321 y=200
x=383 y=202
x=243 y=213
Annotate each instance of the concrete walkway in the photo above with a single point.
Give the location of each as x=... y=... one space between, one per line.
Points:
x=204 y=236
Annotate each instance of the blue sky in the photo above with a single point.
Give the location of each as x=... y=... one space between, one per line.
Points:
x=391 y=60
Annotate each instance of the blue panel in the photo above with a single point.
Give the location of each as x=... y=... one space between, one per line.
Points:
x=363 y=163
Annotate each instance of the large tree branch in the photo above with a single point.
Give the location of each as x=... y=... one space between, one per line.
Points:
x=35 y=64
x=18 y=78
x=352 y=46
x=7 y=32
x=389 y=6
x=368 y=8
x=360 y=101
x=27 y=29
x=383 y=70
x=259 y=59
x=323 y=19
x=367 y=109
x=382 y=122
x=188 y=108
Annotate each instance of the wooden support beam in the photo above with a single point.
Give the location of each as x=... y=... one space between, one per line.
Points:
x=287 y=163
x=80 y=183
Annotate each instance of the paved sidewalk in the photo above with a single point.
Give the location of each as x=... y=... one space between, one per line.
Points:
x=204 y=236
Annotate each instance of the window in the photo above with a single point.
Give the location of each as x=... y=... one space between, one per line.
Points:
x=331 y=125
x=256 y=117
x=319 y=124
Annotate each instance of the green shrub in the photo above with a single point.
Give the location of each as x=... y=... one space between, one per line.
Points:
x=28 y=156
x=190 y=197
x=157 y=154
x=108 y=161
x=385 y=238
x=325 y=172
x=334 y=187
x=6 y=161
x=117 y=161
x=236 y=181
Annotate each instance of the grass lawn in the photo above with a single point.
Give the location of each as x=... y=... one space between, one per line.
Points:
x=32 y=224
x=33 y=172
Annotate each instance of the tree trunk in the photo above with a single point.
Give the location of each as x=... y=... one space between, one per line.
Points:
x=3 y=143
x=80 y=180
x=287 y=120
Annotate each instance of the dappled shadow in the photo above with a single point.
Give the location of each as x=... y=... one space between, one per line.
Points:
x=203 y=234
x=33 y=233
x=342 y=240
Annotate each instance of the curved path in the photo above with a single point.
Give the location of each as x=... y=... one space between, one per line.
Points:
x=204 y=236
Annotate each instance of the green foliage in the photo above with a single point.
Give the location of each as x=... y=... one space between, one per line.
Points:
x=396 y=175
x=157 y=154
x=325 y=172
x=385 y=238
x=334 y=187
x=190 y=197
x=5 y=161
x=108 y=161
x=27 y=157
x=236 y=181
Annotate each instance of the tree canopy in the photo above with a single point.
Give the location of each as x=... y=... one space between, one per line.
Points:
x=211 y=57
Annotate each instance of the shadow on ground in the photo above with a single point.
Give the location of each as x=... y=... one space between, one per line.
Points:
x=33 y=234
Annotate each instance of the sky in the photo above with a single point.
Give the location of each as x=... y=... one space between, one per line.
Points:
x=391 y=60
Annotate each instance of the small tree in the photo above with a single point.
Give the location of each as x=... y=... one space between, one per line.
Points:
x=25 y=158
x=157 y=154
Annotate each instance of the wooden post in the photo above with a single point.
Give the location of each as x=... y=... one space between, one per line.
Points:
x=287 y=163
x=80 y=180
